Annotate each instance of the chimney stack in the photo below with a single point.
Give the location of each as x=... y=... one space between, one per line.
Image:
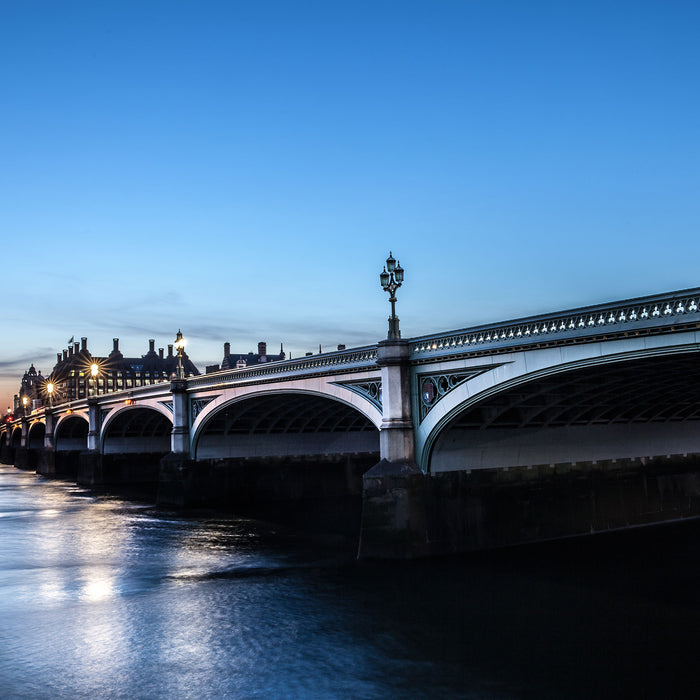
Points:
x=83 y=344
x=160 y=353
x=65 y=354
x=76 y=347
x=70 y=351
x=115 y=344
x=170 y=350
x=262 y=349
x=151 y=345
x=227 y=349
x=58 y=357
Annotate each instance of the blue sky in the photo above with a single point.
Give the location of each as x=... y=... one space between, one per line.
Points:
x=240 y=170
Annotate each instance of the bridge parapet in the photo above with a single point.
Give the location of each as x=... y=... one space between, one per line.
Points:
x=345 y=360
x=649 y=315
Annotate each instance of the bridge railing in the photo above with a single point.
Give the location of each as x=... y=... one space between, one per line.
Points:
x=342 y=360
x=648 y=313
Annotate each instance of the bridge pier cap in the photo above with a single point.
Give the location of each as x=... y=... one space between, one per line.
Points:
x=93 y=436
x=50 y=429
x=396 y=437
x=180 y=436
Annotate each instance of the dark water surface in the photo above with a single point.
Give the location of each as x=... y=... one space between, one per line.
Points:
x=104 y=598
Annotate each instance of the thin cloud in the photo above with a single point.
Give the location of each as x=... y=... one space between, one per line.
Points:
x=27 y=359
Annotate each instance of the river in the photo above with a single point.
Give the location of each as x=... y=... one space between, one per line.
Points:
x=106 y=598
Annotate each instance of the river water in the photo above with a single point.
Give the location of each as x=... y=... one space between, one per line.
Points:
x=106 y=598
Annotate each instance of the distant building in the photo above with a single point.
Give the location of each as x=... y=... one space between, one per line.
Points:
x=31 y=388
x=72 y=378
x=240 y=360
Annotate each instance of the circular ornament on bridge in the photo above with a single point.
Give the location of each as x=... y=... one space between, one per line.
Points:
x=429 y=392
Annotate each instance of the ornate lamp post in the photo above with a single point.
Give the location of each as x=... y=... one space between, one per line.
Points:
x=391 y=278
x=180 y=345
x=25 y=401
x=49 y=390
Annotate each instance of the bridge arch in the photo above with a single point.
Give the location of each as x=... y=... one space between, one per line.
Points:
x=71 y=432
x=642 y=403
x=136 y=429
x=283 y=423
x=35 y=435
x=16 y=438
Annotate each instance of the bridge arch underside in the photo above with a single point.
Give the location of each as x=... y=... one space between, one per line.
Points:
x=137 y=430
x=16 y=439
x=286 y=425
x=35 y=437
x=71 y=434
x=626 y=410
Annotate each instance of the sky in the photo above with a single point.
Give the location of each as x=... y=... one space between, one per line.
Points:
x=241 y=170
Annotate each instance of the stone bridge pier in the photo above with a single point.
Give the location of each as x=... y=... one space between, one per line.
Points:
x=393 y=507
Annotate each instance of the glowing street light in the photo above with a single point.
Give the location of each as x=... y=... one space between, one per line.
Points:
x=180 y=346
x=94 y=373
x=49 y=390
x=25 y=401
x=391 y=278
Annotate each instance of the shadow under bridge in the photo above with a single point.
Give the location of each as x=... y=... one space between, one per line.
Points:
x=640 y=408
x=137 y=430
x=286 y=425
x=71 y=433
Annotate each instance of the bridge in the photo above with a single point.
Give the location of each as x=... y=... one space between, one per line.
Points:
x=555 y=425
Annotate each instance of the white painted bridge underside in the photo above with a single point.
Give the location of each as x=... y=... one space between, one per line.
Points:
x=488 y=449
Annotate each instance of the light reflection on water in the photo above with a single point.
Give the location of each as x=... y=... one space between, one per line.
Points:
x=104 y=598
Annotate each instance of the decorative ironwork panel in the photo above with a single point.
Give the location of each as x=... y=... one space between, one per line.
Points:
x=168 y=405
x=370 y=389
x=101 y=415
x=432 y=387
x=196 y=406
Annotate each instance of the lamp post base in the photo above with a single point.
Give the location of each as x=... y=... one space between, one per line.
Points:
x=394 y=332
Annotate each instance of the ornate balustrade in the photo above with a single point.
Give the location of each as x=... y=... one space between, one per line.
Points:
x=342 y=361
x=647 y=313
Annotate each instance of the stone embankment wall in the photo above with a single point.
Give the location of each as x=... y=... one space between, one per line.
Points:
x=407 y=513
